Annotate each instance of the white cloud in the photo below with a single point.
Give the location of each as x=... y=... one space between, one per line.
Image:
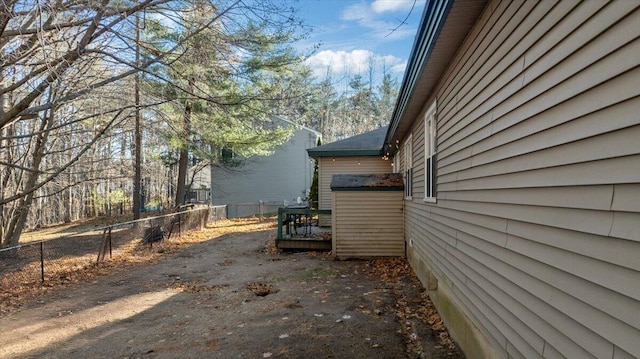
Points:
x=356 y=12
x=382 y=26
x=380 y=6
x=399 y=68
x=352 y=62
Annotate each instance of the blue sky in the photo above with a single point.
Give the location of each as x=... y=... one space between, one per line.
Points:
x=350 y=32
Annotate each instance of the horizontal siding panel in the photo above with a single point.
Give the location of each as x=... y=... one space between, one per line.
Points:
x=626 y=225
x=477 y=37
x=377 y=209
x=621 y=354
x=590 y=114
x=483 y=220
x=449 y=91
x=525 y=340
x=610 y=90
x=536 y=230
x=612 y=171
x=378 y=247
x=612 y=250
x=599 y=272
x=493 y=301
x=570 y=78
x=618 y=279
x=473 y=116
x=610 y=145
x=539 y=295
x=476 y=306
x=359 y=253
x=357 y=220
x=507 y=57
x=550 y=352
x=583 y=197
x=626 y=197
x=595 y=222
x=510 y=295
x=490 y=49
x=368 y=224
x=344 y=165
x=489 y=330
x=581 y=119
x=365 y=232
x=603 y=248
x=467 y=302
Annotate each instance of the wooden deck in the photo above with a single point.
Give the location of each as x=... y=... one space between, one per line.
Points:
x=304 y=244
x=296 y=232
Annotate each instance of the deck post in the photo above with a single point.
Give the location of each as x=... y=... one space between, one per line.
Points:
x=279 y=236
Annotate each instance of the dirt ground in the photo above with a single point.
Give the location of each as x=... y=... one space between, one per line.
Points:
x=228 y=298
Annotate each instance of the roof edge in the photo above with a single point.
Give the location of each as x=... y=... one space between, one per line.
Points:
x=343 y=153
x=433 y=18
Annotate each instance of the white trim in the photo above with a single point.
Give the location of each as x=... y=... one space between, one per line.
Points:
x=407 y=152
x=430 y=151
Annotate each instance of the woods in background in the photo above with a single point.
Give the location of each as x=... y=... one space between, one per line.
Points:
x=90 y=91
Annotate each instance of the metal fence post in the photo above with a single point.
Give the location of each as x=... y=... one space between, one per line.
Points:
x=279 y=235
x=42 y=261
x=110 y=247
x=260 y=210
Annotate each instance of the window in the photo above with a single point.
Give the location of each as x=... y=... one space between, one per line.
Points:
x=408 y=168
x=430 y=154
x=228 y=157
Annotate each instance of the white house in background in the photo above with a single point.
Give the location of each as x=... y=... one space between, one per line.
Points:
x=283 y=176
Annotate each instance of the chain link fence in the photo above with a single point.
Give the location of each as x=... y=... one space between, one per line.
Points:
x=258 y=209
x=38 y=261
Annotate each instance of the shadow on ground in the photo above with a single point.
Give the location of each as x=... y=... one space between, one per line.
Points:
x=201 y=302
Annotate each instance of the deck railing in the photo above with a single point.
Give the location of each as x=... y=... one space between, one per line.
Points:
x=296 y=216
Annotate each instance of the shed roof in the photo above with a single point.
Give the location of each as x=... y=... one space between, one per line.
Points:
x=366 y=144
x=367 y=182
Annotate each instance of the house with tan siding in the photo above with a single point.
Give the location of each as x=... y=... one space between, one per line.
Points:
x=518 y=126
x=360 y=154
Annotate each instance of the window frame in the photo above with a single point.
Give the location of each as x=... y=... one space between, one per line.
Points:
x=407 y=152
x=430 y=154
x=396 y=163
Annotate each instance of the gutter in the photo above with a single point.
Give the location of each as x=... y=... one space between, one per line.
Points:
x=433 y=18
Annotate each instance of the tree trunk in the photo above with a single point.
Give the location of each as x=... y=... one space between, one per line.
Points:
x=137 y=178
x=183 y=161
x=17 y=221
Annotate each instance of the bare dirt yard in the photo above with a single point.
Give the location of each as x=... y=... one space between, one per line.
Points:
x=231 y=296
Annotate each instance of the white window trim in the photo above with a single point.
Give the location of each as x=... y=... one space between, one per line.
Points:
x=396 y=163
x=430 y=151
x=407 y=149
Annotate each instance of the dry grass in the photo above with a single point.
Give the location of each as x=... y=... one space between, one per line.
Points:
x=18 y=287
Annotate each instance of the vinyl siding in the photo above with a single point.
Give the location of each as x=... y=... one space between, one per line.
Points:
x=536 y=231
x=284 y=175
x=367 y=224
x=327 y=167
